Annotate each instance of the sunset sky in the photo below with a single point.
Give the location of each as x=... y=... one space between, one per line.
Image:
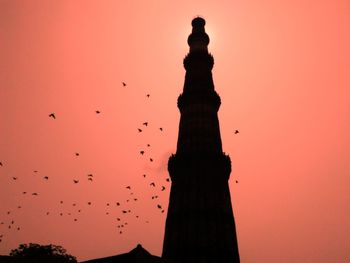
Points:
x=282 y=70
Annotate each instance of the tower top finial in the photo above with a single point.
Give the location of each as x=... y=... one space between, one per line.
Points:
x=198 y=22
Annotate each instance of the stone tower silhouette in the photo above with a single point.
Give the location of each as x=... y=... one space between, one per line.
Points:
x=200 y=226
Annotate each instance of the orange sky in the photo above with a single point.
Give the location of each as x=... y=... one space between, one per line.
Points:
x=281 y=69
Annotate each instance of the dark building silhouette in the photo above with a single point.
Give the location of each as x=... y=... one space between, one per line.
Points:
x=137 y=255
x=200 y=226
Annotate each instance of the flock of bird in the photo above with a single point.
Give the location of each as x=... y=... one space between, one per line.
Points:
x=10 y=224
x=121 y=220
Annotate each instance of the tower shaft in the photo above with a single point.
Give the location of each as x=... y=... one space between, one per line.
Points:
x=200 y=225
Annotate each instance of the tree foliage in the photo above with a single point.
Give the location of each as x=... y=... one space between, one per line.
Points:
x=42 y=253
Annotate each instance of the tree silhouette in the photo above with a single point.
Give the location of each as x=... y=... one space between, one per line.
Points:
x=42 y=253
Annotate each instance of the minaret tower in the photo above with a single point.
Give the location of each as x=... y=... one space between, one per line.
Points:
x=200 y=226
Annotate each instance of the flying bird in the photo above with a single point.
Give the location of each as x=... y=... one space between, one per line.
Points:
x=24 y=193
x=145 y=123
x=14 y=178
x=148 y=95
x=144 y=175
x=163 y=188
x=139 y=130
x=161 y=129
x=148 y=145
x=159 y=206
x=236 y=182
x=46 y=177
x=236 y=131
x=118 y=204
x=124 y=84
x=150 y=159
x=128 y=187
x=34 y=193
x=89 y=203
x=75 y=181
x=52 y=115
x=152 y=184
x=90 y=175
x=76 y=154
x=97 y=112
x=142 y=152
x=168 y=180
x=0 y=163
x=90 y=179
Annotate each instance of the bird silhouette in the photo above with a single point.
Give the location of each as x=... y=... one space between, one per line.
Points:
x=236 y=182
x=168 y=180
x=90 y=175
x=159 y=206
x=34 y=193
x=236 y=131
x=124 y=212
x=163 y=188
x=148 y=145
x=139 y=130
x=150 y=159
x=46 y=177
x=142 y=152
x=35 y=171
x=75 y=181
x=14 y=178
x=0 y=163
x=144 y=176
x=89 y=203
x=90 y=179
x=118 y=204
x=124 y=84
x=145 y=123
x=24 y=193
x=161 y=129
x=76 y=154
x=52 y=115
x=152 y=184
x=128 y=187
x=97 y=112
x=148 y=95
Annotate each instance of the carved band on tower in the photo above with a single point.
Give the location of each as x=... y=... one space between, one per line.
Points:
x=200 y=225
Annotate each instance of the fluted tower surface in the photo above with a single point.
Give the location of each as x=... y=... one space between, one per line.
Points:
x=200 y=225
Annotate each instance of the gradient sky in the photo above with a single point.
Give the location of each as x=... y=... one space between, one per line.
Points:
x=282 y=70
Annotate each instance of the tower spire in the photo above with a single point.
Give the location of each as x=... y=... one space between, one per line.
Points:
x=200 y=225
x=198 y=40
